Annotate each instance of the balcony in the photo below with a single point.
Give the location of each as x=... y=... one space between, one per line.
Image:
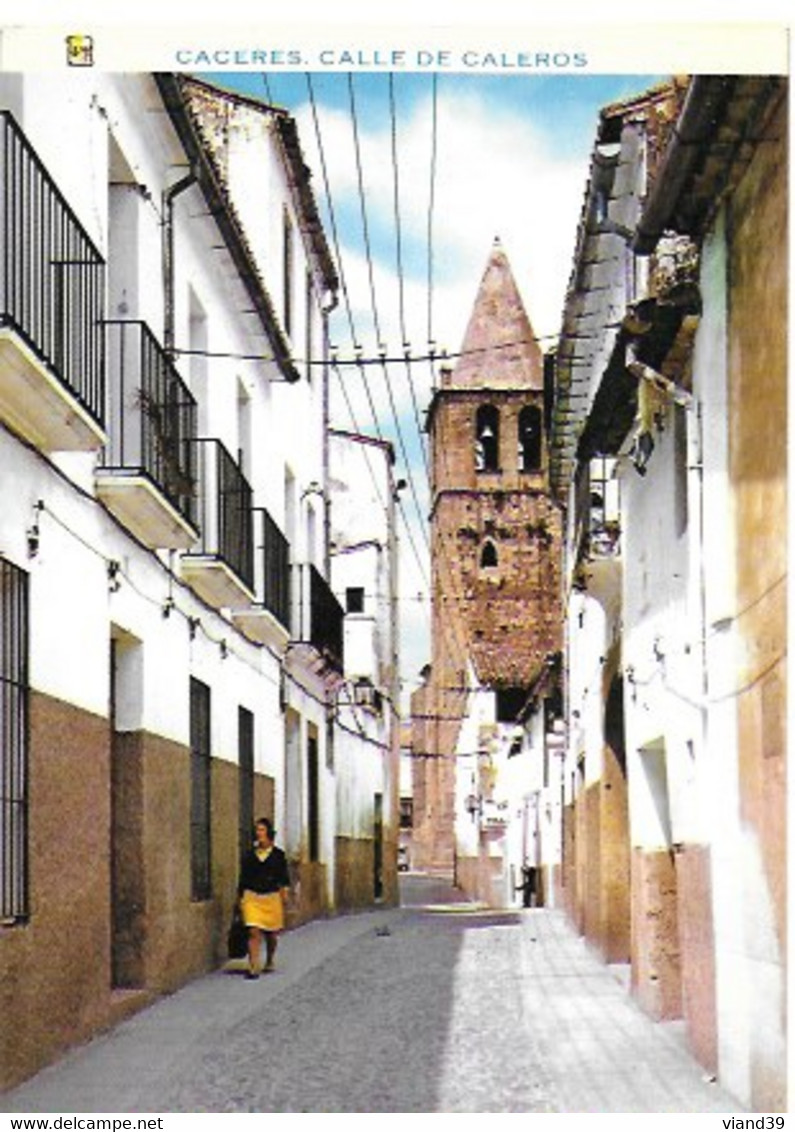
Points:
x=147 y=478
x=268 y=619
x=318 y=621
x=52 y=285
x=595 y=554
x=220 y=567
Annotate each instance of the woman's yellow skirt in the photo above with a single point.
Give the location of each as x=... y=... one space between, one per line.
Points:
x=263 y=910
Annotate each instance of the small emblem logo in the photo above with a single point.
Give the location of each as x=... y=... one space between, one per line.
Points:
x=80 y=50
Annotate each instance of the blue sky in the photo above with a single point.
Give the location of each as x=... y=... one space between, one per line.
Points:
x=478 y=157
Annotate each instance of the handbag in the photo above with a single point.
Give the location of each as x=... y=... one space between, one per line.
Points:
x=237 y=937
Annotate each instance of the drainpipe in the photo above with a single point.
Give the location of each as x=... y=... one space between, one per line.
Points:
x=331 y=700
x=697 y=467
x=326 y=311
x=169 y=196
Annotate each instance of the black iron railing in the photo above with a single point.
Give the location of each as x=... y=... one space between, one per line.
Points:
x=274 y=562
x=224 y=515
x=321 y=616
x=151 y=415
x=52 y=278
x=597 y=524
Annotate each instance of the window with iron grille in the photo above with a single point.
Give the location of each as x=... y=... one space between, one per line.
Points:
x=201 y=885
x=245 y=754
x=14 y=696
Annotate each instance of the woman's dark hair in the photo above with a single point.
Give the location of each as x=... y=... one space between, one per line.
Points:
x=268 y=825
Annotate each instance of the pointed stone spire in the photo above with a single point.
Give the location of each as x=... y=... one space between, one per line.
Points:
x=499 y=349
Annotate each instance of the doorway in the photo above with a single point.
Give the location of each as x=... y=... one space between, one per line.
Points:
x=378 y=846
x=127 y=891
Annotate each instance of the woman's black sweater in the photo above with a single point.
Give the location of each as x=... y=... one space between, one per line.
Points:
x=269 y=875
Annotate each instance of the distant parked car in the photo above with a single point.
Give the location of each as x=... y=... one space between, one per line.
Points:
x=403 y=858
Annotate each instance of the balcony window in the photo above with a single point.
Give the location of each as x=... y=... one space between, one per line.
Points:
x=52 y=287
x=319 y=622
x=268 y=619
x=221 y=564
x=148 y=476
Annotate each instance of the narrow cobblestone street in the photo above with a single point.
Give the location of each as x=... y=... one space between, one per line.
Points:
x=437 y=1006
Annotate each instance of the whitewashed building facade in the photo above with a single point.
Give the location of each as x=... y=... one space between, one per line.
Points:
x=172 y=646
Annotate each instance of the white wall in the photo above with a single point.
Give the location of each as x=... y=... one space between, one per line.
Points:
x=70 y=120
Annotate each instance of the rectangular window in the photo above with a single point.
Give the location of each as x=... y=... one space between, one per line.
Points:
x=509 y=703
x=14 y=740
x=406 y=813
x=201 y=885
x=354 y=599
x=245 y=754
x=287 y=271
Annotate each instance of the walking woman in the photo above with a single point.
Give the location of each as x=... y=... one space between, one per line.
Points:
x=264 y=886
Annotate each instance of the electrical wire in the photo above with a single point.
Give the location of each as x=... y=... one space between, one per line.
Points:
x=431 y=206
x=374 y=307
x=400 y=275
x=379 y=358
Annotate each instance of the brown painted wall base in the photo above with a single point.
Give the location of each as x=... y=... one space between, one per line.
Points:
x=477 y=877
x=310 y=892
x=355 y=873
x=590 y=864
x=656 y=959
x=55 y=970
x=86 y=958
x=568 y=868
x=698 y=952
x=467 y=875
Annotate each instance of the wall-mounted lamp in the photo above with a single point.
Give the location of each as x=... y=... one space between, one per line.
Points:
x=313 y=488
x=641 y=452
x=33 y=533
x=114 y=581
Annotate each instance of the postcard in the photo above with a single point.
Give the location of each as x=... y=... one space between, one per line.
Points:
x=393 y=564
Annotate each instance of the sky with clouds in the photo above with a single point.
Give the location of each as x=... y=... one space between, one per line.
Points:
x=425 y=171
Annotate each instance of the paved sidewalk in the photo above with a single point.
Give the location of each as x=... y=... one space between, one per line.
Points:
x=439 y=1006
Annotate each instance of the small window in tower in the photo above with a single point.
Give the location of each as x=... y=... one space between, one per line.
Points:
x=488 y=556
x=530 y=439
x=487 y=439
